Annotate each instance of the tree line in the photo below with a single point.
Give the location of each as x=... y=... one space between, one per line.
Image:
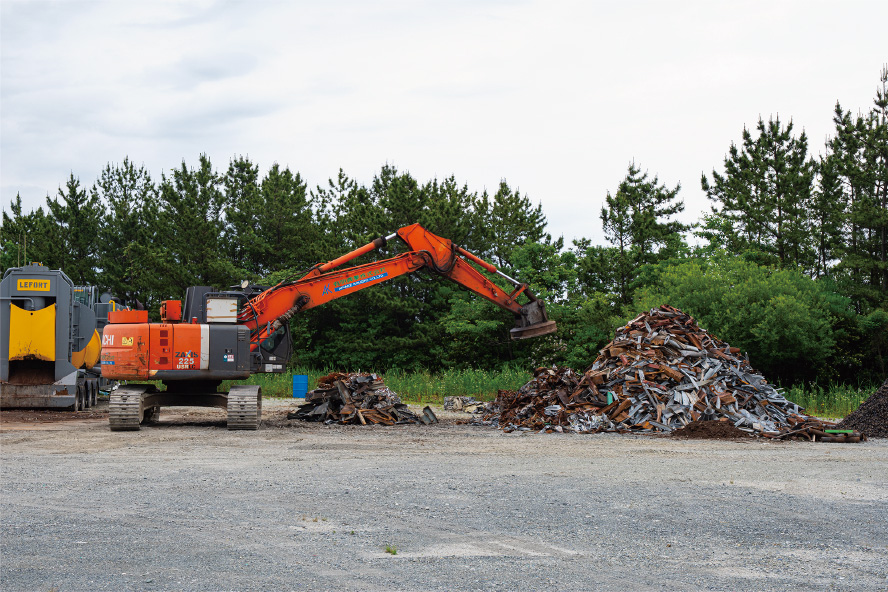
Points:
x=789 y=264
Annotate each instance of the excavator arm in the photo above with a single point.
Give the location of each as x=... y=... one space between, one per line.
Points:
x=266 y=312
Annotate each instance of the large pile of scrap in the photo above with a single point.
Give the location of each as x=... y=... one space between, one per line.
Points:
x=661 y=373
x=871 y=418
x=357 y=398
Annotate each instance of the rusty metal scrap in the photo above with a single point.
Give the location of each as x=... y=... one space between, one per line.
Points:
x=357 y=398
x=660 y=373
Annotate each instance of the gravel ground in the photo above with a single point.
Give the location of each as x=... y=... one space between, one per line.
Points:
x=187 y=505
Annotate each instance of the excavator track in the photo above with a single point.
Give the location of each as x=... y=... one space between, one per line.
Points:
x=244 y=407
x=125 y=407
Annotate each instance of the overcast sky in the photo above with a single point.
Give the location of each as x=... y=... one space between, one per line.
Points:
x=555 y=97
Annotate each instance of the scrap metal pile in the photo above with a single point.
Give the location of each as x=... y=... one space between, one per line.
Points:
x=660 y=373
x=357 y=398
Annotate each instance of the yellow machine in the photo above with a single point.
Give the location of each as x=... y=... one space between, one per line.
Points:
x=50 y=339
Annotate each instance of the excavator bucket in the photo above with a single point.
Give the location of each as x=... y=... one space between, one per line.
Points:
x=532 y=322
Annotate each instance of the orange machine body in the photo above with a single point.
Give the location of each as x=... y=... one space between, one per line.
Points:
x=128 y=316
x=159 y=351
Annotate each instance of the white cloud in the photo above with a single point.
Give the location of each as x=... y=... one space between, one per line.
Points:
x=556 y=97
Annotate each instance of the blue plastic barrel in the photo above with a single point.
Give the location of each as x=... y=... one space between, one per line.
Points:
x=300 y=385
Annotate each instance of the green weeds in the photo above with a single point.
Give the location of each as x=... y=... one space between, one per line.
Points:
x=425 y=387
x=415 y=387
x=835 y=401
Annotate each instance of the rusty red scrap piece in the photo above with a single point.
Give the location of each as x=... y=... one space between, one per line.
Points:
x=357 y=398
x=660 y=373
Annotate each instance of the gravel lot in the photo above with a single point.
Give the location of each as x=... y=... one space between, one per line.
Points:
x=186 y=505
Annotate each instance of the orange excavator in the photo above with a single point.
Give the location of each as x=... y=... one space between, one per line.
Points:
x=230 y=335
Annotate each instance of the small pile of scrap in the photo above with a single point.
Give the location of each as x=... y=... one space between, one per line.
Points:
x=660 y=373
x=357 y=398
x=463 y=403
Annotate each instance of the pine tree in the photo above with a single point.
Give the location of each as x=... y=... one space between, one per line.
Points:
x=636 y=222
x=827 y=218
x=337 y=333
x=858 y=157
x=79 y=216
x=128 y=256
x=449 y=211
x=192 y=205
x=288 y=230
x=395 y=201
x=244 y=245
x=513 y=220
x=598 y=268
x=879 y=142
x=652 y=205
x=340 y=199
x=28 y=237
x=765 y=194
x=616 y=220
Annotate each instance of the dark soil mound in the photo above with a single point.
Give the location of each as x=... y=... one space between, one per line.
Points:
x=871 y=418
x=710 y=430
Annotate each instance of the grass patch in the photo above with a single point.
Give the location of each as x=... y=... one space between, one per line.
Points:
x=835 y=401
x=414 y=387
x=390 y=549
x=279 y=386
x=426 y=387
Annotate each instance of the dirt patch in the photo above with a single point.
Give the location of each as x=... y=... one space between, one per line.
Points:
x=871 y=418
x=30 y=372
x=274 y=416
x=201 y=508
x=16 y=418
x=710 y=430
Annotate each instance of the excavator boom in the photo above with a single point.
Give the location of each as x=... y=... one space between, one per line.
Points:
x=269 y=310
